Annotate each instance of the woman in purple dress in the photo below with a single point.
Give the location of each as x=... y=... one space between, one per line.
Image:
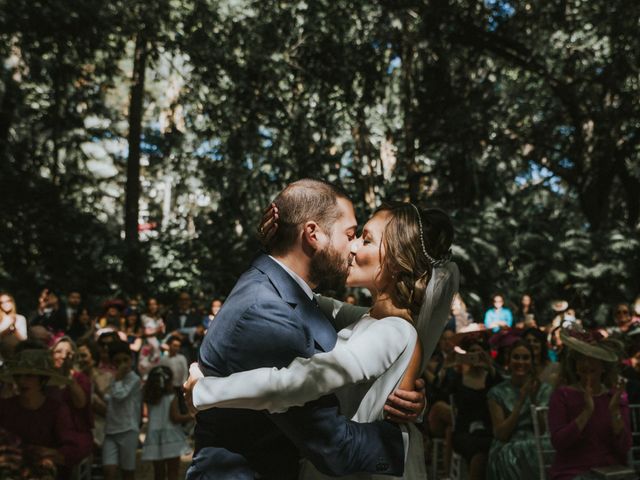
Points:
x=589 y=414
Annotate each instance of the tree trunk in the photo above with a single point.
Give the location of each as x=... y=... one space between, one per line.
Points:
x=133 y=263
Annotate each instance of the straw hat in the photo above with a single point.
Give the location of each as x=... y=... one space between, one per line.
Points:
x=590 y=344
x=33 y=362
x=559 y=305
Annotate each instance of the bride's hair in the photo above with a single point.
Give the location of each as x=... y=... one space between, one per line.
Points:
x=406 y=266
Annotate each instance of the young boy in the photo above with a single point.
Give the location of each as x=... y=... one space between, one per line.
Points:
x=122 y=423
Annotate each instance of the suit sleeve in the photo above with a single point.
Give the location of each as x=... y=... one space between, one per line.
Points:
x=335 y=445
x=363 y=358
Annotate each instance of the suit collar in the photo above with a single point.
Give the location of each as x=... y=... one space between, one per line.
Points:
x=307 y=310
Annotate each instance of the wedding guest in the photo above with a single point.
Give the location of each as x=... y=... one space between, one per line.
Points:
x=510 y=455
x=179 y=366
x=182 y=322
x=165 y=441
x=502 y=343
x=636 y=310
x=42 y=423
x=351 y=299
x=589 y=416
x=152 y=321
x=526 y=312
x=83 y=325
x=122 y=426
x=560 y=308
x=546 y=370
x=216 y=305
x=460 y=318
x=13 y=327
x=104 y=341
x=472 y=435
x=498 y=316
x=72 y=308
x=49 y=315
x=76 y=394
x=88 y=358
x=133 y=330
x=622 y=319
x=112 y=315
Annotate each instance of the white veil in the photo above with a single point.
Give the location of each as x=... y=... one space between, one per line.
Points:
x=436 y=308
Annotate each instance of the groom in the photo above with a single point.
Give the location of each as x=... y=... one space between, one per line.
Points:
x=269 y=319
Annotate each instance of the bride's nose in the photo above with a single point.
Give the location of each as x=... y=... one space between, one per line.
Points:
x=355 y=245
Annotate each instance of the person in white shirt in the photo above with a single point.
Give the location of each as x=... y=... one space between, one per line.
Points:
x=122 y=423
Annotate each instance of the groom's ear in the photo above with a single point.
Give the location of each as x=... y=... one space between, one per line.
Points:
x=312 y=235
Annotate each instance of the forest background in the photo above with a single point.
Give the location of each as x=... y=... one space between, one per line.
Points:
x=140 y=141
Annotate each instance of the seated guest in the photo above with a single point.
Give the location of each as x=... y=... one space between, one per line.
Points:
x=76 y=394
x=472 y=434
x=498 y=316
x=589 y=415
x=511 y=454
x=41 y=422
x=13 y=327
x=546 y=370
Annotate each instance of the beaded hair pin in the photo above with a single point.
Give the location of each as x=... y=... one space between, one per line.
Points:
x=433 y=261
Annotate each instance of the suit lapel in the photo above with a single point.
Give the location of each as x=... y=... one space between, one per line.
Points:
x=306 y=309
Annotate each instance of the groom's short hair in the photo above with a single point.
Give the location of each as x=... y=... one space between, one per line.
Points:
x=300 y=202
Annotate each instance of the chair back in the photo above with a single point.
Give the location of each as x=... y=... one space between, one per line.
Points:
x=544 y=451
x=634 y=453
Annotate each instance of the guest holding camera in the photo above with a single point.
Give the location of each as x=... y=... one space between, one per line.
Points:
x=589 y=415
x=76 y=394
x=472 y=434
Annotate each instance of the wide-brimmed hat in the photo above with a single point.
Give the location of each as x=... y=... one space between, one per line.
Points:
x=559 y=305
x=472 y=330
x=33 y=362
x=590 y=344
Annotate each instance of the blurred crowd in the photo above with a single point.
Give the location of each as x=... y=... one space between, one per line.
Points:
x=80 y=387
x=77 y=387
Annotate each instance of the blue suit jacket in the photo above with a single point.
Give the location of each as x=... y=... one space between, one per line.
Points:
x=268 y=320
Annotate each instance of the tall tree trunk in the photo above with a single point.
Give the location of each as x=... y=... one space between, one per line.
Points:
x=133 y=263
x=407 y=58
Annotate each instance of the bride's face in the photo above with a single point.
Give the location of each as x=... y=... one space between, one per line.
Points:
x=368 y=253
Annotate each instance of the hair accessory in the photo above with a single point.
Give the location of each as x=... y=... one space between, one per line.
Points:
x=435 y=262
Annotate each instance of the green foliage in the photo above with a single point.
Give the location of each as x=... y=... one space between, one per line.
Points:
x=520 y=118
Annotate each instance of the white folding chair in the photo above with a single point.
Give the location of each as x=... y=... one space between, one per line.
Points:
x=634 y=452
x=544 y=452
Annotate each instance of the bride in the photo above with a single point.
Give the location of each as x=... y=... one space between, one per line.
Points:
x=402 y=258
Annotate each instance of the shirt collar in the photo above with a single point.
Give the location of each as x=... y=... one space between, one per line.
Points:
x=297 y=278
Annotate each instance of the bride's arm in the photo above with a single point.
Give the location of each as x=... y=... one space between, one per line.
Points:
x=340 y=313
x=367 y=356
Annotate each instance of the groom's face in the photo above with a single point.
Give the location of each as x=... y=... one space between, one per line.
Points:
x=330 y=264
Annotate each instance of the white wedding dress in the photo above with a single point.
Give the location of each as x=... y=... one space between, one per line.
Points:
x=366 y=365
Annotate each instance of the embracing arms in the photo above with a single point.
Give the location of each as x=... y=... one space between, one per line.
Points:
x=360 y=359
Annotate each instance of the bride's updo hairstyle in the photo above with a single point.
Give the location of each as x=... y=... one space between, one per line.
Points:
x=405 y=265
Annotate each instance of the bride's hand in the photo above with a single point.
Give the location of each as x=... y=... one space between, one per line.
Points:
x=268 y=224
x=195 y=374
x=406 y=406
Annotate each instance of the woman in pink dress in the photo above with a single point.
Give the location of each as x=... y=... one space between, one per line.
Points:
x=589 y=413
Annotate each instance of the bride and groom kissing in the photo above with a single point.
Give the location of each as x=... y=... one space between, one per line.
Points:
x=300 y=381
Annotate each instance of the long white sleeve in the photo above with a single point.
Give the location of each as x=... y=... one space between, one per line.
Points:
x=360 y=355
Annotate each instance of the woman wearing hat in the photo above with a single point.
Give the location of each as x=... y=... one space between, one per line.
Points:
x=589 y=415
x=42 y=423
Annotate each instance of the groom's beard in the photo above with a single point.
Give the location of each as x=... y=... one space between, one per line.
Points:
x=329 y=269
